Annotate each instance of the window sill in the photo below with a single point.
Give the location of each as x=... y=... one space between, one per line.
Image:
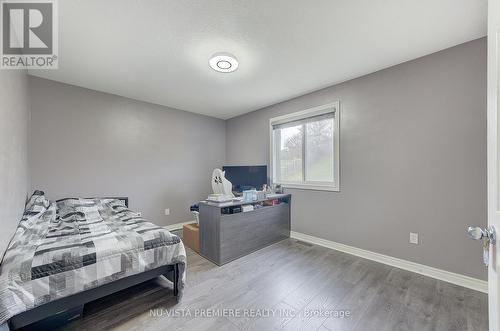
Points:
x=311 y=187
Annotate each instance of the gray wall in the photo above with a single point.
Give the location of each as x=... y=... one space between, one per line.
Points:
x=413 y=158
x=88 y=143
x=14 y=140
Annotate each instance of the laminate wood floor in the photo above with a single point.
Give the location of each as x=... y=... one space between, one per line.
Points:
x=291 y=285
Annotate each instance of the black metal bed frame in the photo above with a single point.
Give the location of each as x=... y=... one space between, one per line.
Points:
x=59 y=311
x=72 y=306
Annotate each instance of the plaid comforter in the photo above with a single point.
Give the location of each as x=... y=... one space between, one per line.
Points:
x=65 y=247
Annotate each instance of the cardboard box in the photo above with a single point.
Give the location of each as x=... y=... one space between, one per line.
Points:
x=191 y=236
x=273 y=202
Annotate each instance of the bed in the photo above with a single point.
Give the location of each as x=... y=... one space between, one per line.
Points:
x=69 y=252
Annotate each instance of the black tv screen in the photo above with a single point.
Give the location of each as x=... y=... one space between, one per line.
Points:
x=246 y=177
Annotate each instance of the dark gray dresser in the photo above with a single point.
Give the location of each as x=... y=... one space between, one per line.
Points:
x=226 y=237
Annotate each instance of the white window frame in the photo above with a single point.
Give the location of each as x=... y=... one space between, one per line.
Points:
x=311 y=185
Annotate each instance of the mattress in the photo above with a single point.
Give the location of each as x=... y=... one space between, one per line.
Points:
x=72 y=245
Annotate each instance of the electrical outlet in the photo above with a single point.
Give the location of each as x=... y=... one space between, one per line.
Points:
x=167 y=211
x=413 y=238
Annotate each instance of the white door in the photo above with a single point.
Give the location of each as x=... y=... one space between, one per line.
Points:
x=493 y=159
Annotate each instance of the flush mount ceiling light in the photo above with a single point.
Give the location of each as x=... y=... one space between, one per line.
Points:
x=223 y=62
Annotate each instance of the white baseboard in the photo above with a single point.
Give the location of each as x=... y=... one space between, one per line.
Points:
x=177 y=226
x=450 y=277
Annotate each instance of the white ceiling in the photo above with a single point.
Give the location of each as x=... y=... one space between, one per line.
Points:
x=158 y=50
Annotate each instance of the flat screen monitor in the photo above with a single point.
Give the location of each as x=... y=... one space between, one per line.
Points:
x=246 y=177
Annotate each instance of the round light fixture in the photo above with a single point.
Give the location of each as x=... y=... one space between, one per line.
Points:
x=223 y=62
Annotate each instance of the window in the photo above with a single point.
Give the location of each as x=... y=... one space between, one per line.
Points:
x=305 y=149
